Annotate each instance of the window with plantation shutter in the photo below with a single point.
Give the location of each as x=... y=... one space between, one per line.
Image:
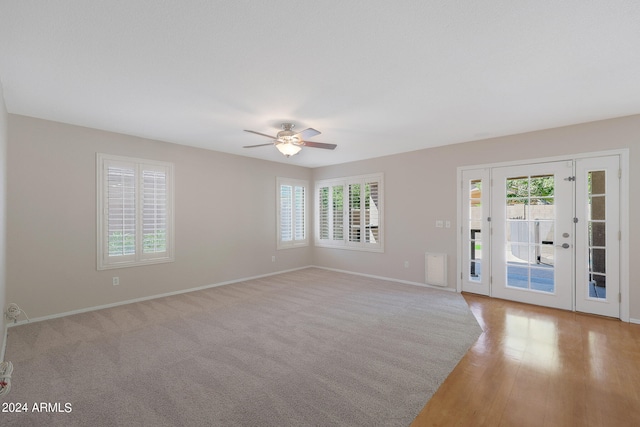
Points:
x=121 y=211
x=292 y=213
x=354 y=203
x=134 y=212
x=154 y=212
x=299 y=213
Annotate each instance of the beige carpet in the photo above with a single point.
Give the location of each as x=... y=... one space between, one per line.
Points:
x=305 y=348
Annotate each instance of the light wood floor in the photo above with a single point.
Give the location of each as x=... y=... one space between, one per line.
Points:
x=535 y=366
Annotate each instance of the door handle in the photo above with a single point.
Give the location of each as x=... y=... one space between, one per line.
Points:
x=564 y=245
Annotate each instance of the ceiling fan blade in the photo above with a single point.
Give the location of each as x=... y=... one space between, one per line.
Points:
x=258 y=133
x=259 y=145
x=319 y=145
x=308 y=133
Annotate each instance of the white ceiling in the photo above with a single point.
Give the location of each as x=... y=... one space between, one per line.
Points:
x=375 y=77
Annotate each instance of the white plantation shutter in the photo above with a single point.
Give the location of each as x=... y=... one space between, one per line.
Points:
x=337 y=216
x=355 y=203
x=330 y=213
x=121 y=210
x=372 y=213
x=286 y=209
x=292 y=213
x=134 y=212
x=324 y=223
x=355 y=213
x=154 y=211
x=299 y=213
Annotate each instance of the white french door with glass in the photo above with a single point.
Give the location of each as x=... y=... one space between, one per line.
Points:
x=475 y=231
x=546 y=233
x=598 y=236
x=532 y=234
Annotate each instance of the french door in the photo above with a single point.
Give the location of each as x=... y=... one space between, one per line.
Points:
x=544 y=233
x=475 y=229
x=598 y=236
x=533 y=234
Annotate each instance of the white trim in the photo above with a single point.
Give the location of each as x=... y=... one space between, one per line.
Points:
x=625 y=290
x=199 y=288
x=167 y=294
x=4 y=343
x=459 y=235
x=388 y=279
x=624 y=212
x=636 y=321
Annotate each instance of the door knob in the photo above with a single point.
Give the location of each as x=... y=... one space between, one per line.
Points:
x=564 y=245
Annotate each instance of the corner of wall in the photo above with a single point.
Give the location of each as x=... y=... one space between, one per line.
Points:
x=4 y=119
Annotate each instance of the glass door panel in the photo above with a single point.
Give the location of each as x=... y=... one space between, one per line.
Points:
x=597 y=271
x=530 y=226
x=475 y=230
x=475 y=277
x=531 y=203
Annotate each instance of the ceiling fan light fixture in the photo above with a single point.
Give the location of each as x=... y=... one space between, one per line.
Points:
x=289 y=143
x=287 y=148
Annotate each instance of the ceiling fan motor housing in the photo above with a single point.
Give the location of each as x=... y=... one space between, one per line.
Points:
x=287 y=135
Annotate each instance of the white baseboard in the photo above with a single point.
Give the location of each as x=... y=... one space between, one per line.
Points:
x=116 y=304
x=636 y=321
x=389 y=279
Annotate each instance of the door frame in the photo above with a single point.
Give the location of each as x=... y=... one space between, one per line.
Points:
x=624 y=215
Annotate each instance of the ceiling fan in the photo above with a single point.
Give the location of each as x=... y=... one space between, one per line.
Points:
x=289 y=142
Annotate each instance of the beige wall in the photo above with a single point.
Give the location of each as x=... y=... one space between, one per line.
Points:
x=421 y=187
x=225 y=218
x=3 y=226
x=225 y=210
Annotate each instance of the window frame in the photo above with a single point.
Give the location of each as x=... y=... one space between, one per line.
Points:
x=294 y=242
x=139 y=257
x=342 y=219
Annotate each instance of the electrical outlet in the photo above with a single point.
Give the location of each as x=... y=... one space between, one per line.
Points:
x=273 y=258
x=447 y=224
x=116 y=280
x=439 y=223
x=406 y=264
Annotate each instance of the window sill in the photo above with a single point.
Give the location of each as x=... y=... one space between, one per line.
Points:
x=127 y=264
